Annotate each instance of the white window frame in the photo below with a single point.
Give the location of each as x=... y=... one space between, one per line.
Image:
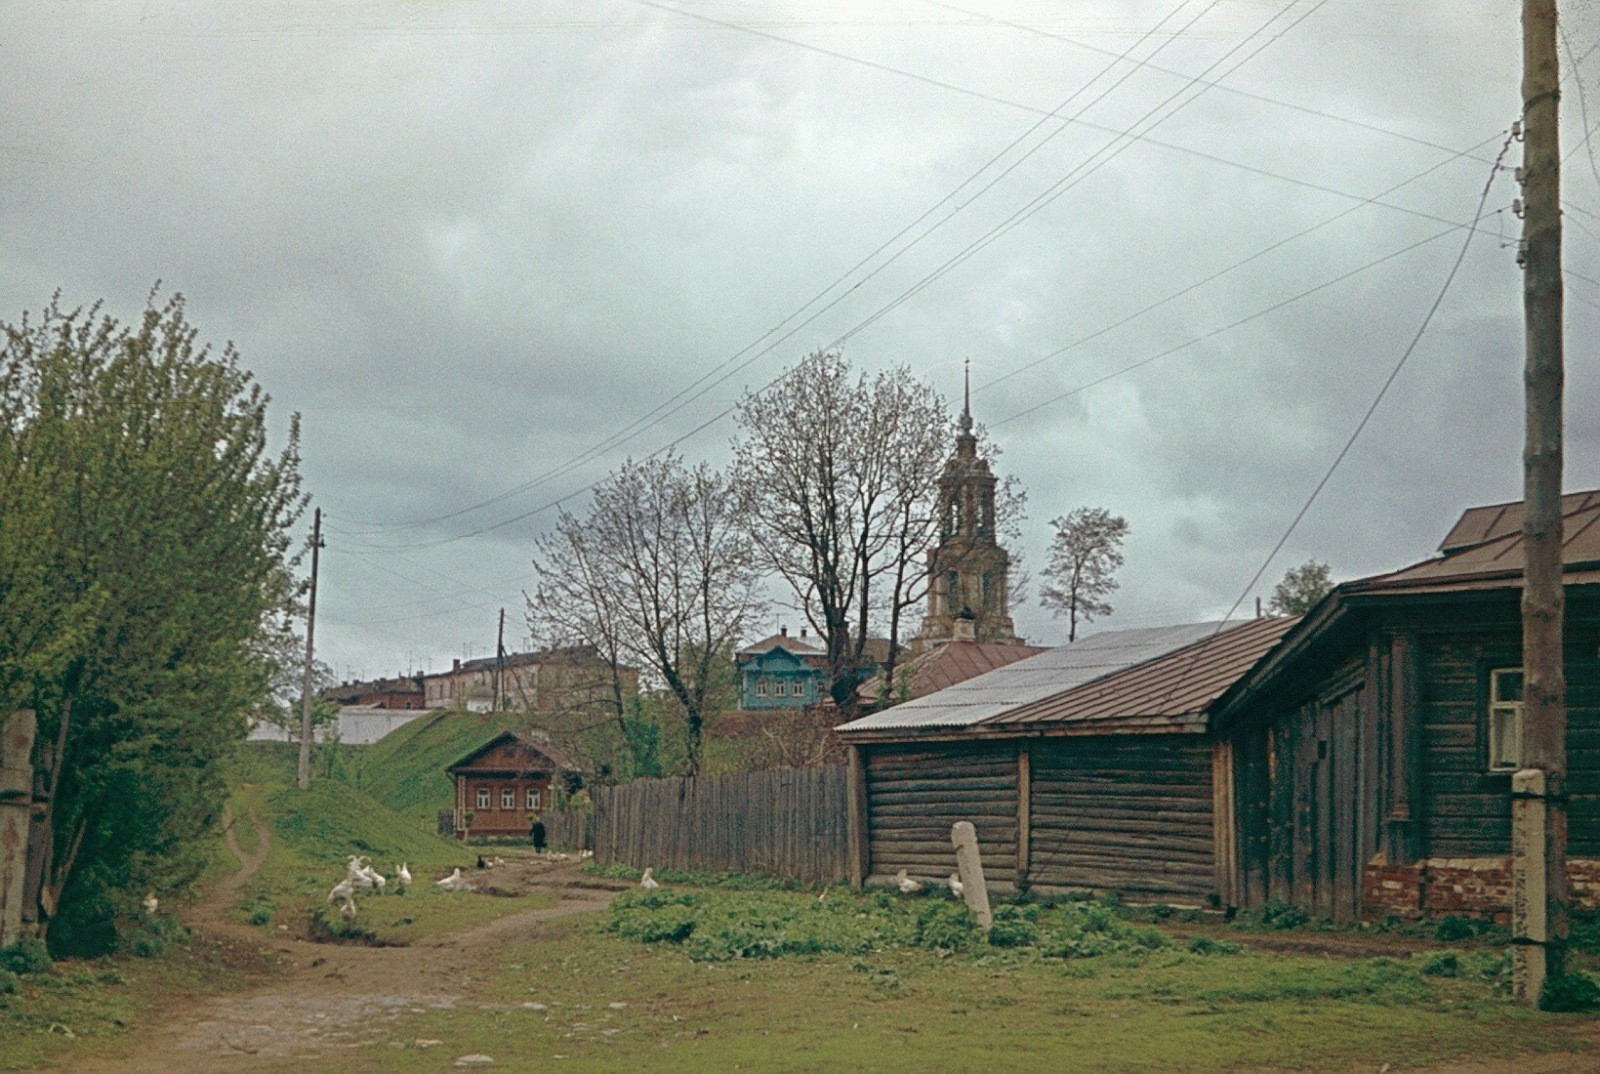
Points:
x=761 y=687
x=1505 y=722
x=483 y=797
x=533 y=798
x=508 y=798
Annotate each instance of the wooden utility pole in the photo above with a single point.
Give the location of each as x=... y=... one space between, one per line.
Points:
x=500 y=663
x=303 y=778
x=1539 y=811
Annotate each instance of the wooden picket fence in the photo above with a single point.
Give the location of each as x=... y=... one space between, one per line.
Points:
x=789 y=823
x=569 y=829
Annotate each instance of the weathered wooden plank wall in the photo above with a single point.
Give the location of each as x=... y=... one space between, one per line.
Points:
x=569 y=829
x=790 y=823
x=1129 y=813
x=915 y=793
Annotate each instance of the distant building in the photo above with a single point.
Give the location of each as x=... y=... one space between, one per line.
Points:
x=404 y=692
x=969 y=581
x=782 y=672
x=545 y=680
x=503 y=786
x=356 y=725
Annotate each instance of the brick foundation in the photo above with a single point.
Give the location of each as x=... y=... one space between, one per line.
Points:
x=1467 y=887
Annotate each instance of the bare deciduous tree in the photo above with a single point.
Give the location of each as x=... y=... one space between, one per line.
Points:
x=839 y=474
x=661 y=573
x=1084 y=557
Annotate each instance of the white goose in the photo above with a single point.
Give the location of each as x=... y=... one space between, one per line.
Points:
x=454 y=882
x=907 y=885
x=648 y=882
x=402 y=878
x=957 y=888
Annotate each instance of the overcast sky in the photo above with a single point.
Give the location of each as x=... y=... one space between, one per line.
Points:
x=469 y=242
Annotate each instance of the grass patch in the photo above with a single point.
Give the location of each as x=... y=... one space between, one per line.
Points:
x=578 y=995
x=722 y=925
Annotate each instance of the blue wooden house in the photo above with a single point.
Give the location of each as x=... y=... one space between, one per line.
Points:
x=782 y=672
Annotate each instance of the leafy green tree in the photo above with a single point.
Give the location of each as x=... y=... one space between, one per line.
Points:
x=1302 y=588
x=145 y=585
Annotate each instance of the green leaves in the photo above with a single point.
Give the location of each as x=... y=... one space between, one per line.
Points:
x=144 y=573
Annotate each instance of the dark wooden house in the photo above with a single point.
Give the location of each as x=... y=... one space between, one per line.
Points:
x=1090 y=767
x=1373 y=746
x=503 y=786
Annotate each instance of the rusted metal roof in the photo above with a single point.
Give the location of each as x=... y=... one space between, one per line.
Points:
x=1479 y=524
x=1486 y=544
x=952 y=662
x=1174 y=689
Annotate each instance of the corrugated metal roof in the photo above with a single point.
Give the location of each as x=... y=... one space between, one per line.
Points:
x=1179 y=684
x=1035 y=679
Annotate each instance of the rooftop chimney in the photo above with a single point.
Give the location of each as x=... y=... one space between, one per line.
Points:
x=783 y=632
x=457 y=665
x=802 y=632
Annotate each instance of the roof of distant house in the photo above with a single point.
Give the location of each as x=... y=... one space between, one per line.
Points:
x=947 y=663
x=537 y=741
x=800 y=645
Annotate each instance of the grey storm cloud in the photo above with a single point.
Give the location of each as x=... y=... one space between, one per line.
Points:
x=471 y=241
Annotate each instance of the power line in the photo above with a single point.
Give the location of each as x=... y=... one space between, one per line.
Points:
x=1366 y=418
x=1122 y=139
x=666 y=408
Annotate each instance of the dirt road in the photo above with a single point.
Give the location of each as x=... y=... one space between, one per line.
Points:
x=323 y=998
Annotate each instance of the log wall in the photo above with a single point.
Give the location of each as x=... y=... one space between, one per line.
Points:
x=914 y=795
x=1128 y=813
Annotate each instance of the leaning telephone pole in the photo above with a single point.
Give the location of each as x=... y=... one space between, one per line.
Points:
x=1539 y=811
x=303 y=778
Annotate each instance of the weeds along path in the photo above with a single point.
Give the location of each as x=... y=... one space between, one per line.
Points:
x=324 y=999
x=212 y=909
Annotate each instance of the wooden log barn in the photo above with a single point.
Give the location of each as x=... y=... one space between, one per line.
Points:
x=503 y=786
x=1091 y=766
x=1374 y=745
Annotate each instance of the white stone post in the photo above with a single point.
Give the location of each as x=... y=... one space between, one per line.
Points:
x=970 y=866
x=1529 y=920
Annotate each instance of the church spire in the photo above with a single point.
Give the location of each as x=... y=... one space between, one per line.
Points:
x=966 y=399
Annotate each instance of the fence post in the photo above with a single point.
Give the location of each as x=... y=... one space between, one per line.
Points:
x=17 y=731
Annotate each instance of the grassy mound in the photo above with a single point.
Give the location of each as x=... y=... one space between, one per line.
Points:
x=405 y=769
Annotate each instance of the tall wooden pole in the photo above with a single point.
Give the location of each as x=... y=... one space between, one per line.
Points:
x=500 y=663
x=303 y=778
x=1544 y=731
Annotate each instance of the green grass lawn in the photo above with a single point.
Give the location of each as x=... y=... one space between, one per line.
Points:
x=405 y=769
x=577 y=995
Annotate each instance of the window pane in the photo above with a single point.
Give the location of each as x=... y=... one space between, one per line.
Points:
x=1505 y=738
x=1507 y=686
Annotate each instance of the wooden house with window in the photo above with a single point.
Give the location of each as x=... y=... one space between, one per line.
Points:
x=503 y=786
x=1091 y=767
x=1373 y=747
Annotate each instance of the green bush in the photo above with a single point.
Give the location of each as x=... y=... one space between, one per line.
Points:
x=1442 y=964
x=1452 y=929
x=8 y=982
x=1205 y=945
x=1015 y=926
x=27 y=955
x=1570 y=992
